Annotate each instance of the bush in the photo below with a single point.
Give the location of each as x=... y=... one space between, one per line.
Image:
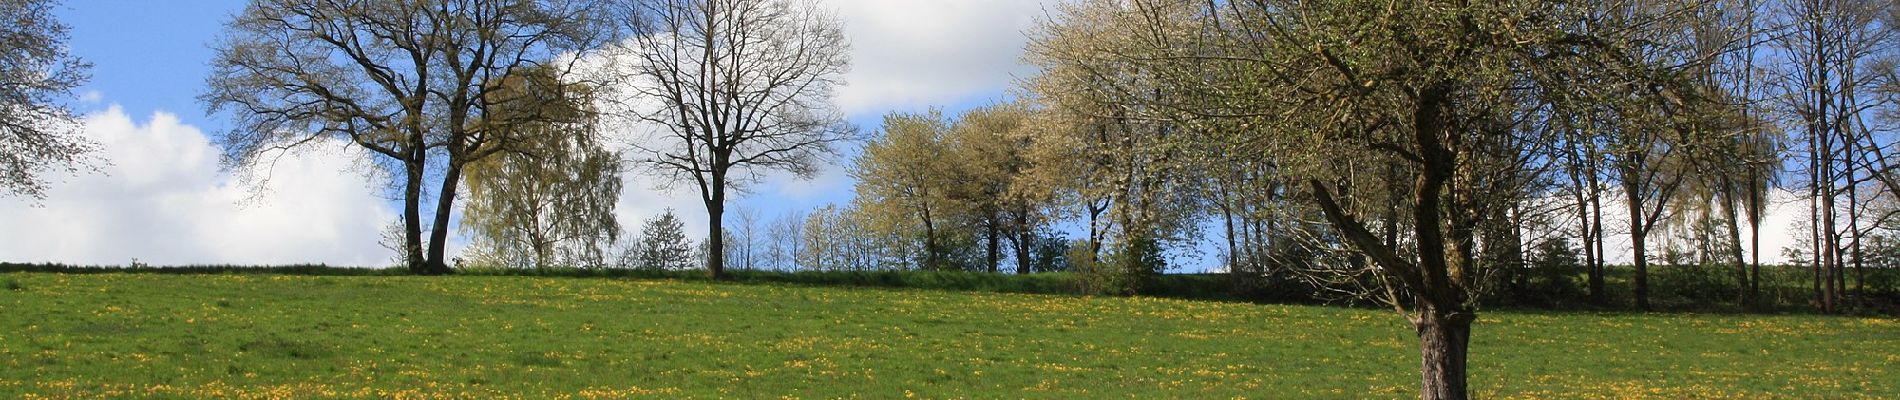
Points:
x=1551 y=276
x=1694 y=283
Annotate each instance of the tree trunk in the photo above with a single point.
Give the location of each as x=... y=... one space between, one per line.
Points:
x=412 y=219
x=1227 y=222
x=1595 y=278
x=1754 y=242
x=1594 y=237
x=715 y=198
x=1023 y=241
x=994 y=250
x=1638 y=242
x=1444 y=340
x=1735 y=240
x=1598 y=296
x=715 y=239
x=930 y=242
x=1095 y=232
x=439 y=233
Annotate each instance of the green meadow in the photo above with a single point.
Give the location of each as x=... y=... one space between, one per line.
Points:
x=284 y=336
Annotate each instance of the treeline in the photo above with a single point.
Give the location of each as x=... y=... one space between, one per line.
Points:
x=1424 y=155
x=1656 y=133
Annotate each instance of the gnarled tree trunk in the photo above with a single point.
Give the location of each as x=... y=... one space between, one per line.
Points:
x=1444 y=338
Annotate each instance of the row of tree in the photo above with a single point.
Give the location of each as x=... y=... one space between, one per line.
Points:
x=1411 y=152
x=513 y=97
x=1404 y=152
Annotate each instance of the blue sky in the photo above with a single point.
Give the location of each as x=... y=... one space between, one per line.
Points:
x=161 y=197
x=149 y=56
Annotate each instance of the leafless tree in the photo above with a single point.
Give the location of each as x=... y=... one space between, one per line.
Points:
x=744 y=88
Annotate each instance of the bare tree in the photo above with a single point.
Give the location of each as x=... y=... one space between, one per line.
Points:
x=744 y=88
x=410 y=81
x=748 y=237
x=1833 y=53
x=786 y=236
x=37 y=130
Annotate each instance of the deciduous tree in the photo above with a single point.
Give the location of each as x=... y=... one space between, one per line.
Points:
x=549 y=199
x=409 y=81
x=743 y=88
x=38 y=131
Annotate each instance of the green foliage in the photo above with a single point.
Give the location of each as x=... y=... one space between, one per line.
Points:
x=955 y=188
x=1131 y=267
x=1092 y=275
x=1550 y=277
x=1052 y=253
x=662 y=245
x=165 y=336
x=1694 y=281
x=549 y=199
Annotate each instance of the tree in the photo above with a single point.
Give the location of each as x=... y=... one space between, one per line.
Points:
x=411 y=81
x=748 y=239
x=663 y=244
x=1833 y=53
x=991 y=146
x=1105 y=146
x=744 y=88
x=550 y=199
x=954 y=185
x=38 y=132
x=908 y=185
x=785 y=241
x=1453 y=92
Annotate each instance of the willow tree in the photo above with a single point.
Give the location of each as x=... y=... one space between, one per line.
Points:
x=412 y=82
x=1450 y=90
x=550 y=198
x=743 y=88
x=37 y=130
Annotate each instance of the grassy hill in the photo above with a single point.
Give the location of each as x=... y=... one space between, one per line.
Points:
x=261 y=336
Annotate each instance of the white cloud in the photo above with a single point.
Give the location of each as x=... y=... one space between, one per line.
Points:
x=642 y=198
x=916 y=53
x=906 y=54
x=164 y=200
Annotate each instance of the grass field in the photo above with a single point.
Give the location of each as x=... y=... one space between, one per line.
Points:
x=263 y=336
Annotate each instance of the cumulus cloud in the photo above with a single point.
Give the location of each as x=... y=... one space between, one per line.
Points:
x=163 y=200
x=1778 y=229
x=917 y=53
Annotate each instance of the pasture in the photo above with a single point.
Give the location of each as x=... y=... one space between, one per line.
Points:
x=271 y=336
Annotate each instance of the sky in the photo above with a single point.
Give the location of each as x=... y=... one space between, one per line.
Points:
x=164 y=199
